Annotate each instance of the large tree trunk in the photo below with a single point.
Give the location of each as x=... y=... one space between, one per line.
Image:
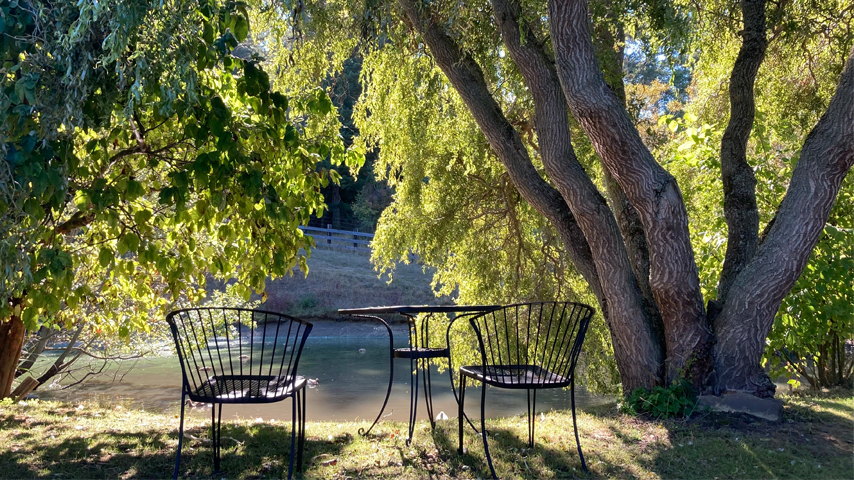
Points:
x=610 y=255
x=756 y=294
x=605 y=263
x=674 y=278
x=637 y=346
x=11 y=341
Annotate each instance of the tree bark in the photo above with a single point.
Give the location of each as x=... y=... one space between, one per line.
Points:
x=11 y=342
x=756 y=294
x=740 y=210
x=651 y=190
x=610 y=53
x=637 y=346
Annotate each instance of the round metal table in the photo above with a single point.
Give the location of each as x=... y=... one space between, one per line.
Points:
x=419 y=351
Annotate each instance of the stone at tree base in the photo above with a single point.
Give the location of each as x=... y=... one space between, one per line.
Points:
x=740 y=402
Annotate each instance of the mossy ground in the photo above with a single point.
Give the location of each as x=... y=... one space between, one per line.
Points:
x=54 y=440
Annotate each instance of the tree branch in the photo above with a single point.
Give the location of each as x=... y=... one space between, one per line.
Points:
x=650 y=188
x=468 y=80
x=742 y=214
x=79 y=219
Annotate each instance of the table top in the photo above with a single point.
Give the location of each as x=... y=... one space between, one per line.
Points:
x=408 y=309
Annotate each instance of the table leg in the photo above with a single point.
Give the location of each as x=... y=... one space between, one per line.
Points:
x=413 y=396
x=362 y=431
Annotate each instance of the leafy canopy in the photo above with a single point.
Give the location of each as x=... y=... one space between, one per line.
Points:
x=142 y=153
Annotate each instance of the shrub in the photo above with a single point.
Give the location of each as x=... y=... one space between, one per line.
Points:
x=677 y=400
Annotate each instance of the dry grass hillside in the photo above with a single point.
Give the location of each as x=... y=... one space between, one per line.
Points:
x=339 y=279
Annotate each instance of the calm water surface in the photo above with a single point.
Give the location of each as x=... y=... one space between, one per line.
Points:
x=351 y=386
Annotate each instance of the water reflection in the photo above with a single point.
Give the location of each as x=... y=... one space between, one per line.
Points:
x=352 y=378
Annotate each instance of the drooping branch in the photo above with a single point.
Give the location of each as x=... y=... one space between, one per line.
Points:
x=739 y=182
x=650 y=188
x=468 y=80
x=60 y=364
x=637 y=347
x=755 y=296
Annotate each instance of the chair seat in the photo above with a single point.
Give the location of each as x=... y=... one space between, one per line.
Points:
x=246 y=389
x=421 y=352
x=515 y=376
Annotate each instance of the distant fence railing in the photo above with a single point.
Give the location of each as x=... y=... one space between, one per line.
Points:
x=341 y=239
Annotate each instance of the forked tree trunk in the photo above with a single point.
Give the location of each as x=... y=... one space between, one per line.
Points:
x=574 y=207
x=723 y=352
x=757 y=292
x=574 y=78
x=674 y=278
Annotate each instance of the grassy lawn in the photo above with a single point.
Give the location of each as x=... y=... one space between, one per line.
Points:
x=53 y=440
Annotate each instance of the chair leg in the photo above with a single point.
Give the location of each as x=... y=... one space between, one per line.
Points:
x=293 y=435
x=180 y=433
x=216 y=431
x=532 y=416
x=457 y=397
x=575 y=425
x=462 y=401
x=483 y=429
x=413 y=397
x=301 y=446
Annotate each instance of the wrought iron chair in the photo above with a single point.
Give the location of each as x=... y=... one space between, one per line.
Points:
x=234 y=355
x=527 y=346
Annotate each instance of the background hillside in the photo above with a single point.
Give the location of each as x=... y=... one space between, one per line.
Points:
x=347 y=280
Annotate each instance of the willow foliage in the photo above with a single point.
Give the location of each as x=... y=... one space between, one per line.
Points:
x=454 y=206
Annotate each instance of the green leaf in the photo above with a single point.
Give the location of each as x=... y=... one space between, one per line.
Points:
x=673 y=125
x=105 y=256
x=142 y=217
x=134 y=189
x=30 y=318
x=207 y=33
x=241 y=28
x=128 y=242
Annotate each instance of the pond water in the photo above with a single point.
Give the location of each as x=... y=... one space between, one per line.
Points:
x=351 y=385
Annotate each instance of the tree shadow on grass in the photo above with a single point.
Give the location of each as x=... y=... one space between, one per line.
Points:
x=810 y=442
x=617 y=446
x=254 y=451
x=805 y=444
x=510 y=454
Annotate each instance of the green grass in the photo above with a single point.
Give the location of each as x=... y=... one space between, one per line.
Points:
x=54 y=440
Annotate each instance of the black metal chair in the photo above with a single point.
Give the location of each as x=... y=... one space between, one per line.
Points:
x=527 y=346
x=234 y=355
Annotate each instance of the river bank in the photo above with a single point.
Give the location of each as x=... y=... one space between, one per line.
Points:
x=61 y=440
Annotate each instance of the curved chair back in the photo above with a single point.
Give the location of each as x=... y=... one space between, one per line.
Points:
x=531 y=345
x=235 y=355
